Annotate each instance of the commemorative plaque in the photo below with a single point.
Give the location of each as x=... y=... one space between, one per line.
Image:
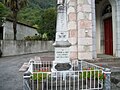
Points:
x=62 y=66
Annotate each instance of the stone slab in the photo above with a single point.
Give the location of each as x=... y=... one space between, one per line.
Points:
x=24 y=67
x=118 y=85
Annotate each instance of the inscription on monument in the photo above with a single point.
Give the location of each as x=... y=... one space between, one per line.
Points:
x=62 y=54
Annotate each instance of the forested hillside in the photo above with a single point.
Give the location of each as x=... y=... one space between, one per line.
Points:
x=42 y=3
x=38 y=13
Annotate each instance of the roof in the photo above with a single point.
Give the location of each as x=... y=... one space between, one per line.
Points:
x=20 y=23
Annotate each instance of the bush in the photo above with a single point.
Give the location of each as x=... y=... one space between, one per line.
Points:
x=43 y=37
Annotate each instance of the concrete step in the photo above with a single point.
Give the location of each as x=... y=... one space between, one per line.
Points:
x=112 y=63
x=115 y=78
x=104 y=60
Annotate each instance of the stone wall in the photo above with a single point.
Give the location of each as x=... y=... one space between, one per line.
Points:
x=10 y=47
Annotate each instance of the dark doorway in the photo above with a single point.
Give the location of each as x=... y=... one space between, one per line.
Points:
x=1 y=33
x=108 y=36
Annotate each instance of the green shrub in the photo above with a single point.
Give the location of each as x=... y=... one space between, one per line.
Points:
x=92 y=74
x=39 y=76
x=43 y=37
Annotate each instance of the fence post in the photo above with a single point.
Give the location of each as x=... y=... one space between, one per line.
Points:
x=80 y=65
x=107 y=82
x=26 y=81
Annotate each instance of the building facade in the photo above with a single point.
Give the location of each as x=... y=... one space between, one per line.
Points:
x=23 y=30
x=94 y=28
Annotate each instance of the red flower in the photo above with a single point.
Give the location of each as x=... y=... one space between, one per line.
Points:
x=104 y=75
x=101 y=65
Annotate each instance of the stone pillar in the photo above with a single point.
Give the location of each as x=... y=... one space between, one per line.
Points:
x=118 y=28
x=85 y=29
x=114 y=23
x=72 y=28
x=107 y=82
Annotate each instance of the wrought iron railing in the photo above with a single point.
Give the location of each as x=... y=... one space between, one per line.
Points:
x=83 y=76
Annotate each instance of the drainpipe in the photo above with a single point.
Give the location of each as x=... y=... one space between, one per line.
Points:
x=77 y=28
x=94 y=55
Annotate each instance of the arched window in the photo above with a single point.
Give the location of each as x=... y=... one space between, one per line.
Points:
x=107 y=9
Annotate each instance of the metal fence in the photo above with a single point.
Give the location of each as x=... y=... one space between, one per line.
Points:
x=83 y=76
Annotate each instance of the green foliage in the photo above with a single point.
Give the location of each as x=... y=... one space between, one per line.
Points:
x=4 y=12
x=43 y=37
x=42 y=3
x=48 y=23
x=40 y=14
x=39 y=76
x=33 y=38
x=92 y=74
x=43 y=19
x=31 y=16
x=15 y=6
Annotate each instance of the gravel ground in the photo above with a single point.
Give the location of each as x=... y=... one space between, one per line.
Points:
x=10 y=77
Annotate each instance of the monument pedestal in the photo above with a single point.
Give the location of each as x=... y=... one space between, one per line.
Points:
x=62 y=61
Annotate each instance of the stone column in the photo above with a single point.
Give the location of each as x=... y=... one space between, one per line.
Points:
x=107 y=82
x=85 y=29
x=118 y=28
x=72 y=28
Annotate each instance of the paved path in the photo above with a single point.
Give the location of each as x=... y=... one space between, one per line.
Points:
x=10 y=77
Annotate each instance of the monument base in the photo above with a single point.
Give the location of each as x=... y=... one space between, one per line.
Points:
x=62 y=61
x=61 y=69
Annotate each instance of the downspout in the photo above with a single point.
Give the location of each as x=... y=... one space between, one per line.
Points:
x=94 y=55
x=77 y=27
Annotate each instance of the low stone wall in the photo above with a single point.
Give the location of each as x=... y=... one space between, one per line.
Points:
x=11 y=47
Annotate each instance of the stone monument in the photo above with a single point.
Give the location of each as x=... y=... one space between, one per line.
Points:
x=62 y=59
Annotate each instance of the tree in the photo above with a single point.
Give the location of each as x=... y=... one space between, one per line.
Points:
x=30 y=16
x=3 y=12
x=15 y=6
x=44 y=4
x=48 y=23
